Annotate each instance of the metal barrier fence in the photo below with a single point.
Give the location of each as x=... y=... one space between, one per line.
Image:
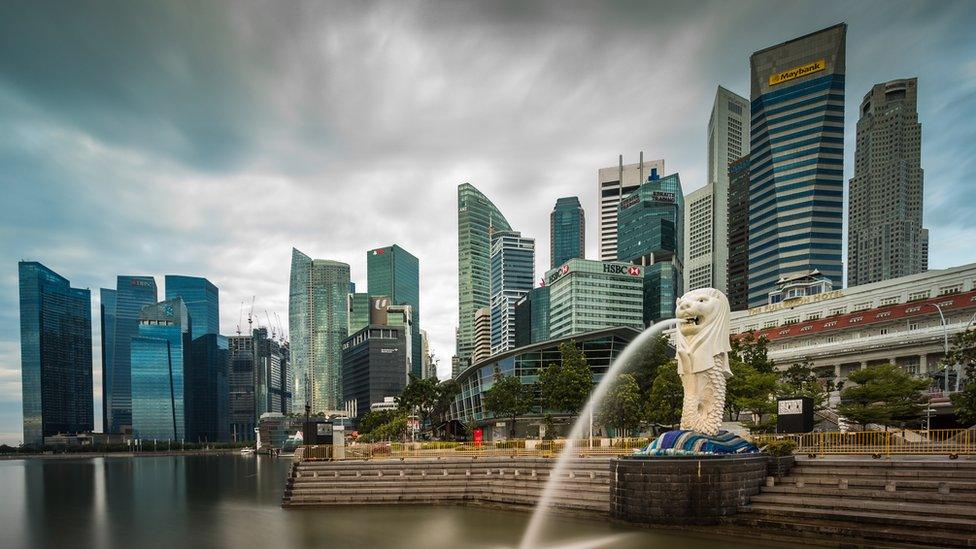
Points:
x=879 y=443
x=533 y=448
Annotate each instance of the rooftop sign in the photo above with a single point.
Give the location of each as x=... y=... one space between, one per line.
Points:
x=796 y=72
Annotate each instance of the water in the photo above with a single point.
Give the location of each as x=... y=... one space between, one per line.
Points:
x=534 y=533
x=234 y=501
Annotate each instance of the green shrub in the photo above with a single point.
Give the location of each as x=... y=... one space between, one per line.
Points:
x=782 y=447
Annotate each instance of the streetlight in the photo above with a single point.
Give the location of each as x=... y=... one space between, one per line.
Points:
x=945 y=344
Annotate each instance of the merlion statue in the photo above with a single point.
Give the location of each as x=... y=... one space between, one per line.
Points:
x=702 y=350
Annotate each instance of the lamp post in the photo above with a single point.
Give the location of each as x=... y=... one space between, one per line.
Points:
x=945 y=345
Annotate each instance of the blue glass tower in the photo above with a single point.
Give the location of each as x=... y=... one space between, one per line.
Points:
x=796 y=185
x=567 y=231
x=512 y=261
x=159 y=357
x=56 y=354
x=202 y=301
x=650 y=232
x=132 y=293
x=207 y=390
x=394 y=272
x=107 y=308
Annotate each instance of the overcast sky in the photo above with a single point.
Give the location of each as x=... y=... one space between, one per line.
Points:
x=208 y=140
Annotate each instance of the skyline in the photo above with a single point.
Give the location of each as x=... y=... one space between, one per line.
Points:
x=244 y=151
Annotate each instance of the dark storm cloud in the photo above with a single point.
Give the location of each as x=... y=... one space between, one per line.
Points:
x=209 y=139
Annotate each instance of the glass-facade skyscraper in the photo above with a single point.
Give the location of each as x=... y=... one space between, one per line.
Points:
x=202 y=301
x=586 y=295
x=394 y=272
x=107 y=305
x=512 y=263
x=160 y=354
x=56 y=354
x=650 y=225
x=318 y=321
x=132 y=293
x=796 y=172
x=738 y=235
x=477 y=219
x=567 y=231
x=207 y=390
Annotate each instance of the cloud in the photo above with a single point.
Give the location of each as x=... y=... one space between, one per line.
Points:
x=165 y=138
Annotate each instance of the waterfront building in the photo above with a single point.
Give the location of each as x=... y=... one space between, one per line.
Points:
x=374 y=366
x=394 y=272
x=600 y=348
x=358 y=311
x=738 y=235
x=272 y=391
x=477 y=219
x=651 y=228
x=567 y=231
x=242 y=378
x=207 y=390
x=160 y=356
x=318 y=322
x=56 y=354
x=532 y=317
x=512 y=263
x=896 y=321
x=201 y=298
x=614 y=183
x=132 y=293
x=107 y=306
x=707 y=209
x=587 y=295
x=885 y=238
x=796 y=185
x=482 y=335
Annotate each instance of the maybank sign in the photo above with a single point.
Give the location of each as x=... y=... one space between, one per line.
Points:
x=797 y=72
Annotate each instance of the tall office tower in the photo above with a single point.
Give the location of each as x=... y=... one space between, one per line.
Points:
x=242 y=377
x=429 y=367
x=401 y=316
x=796 y=185
x=160 y=355
x=738 y=235
x=477 y=219
x=588 y=295
x=532 y=317
x=458 y=365
x=885 y=238
x=269 y=365
x=482 y=335
x=512 y=263
x=132 y=293
x=207 y=390
x=567 y=231
x=707 y=209
x=318 y=321
x=395 y=273
x=613 y=184
x=202 y=301
x=56 y=354
x=106 y=307
x=651 y=228
x=373 y=361
x=358 y=311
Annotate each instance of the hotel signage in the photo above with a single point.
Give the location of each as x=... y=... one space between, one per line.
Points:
x=790 y=303
x=797 y=72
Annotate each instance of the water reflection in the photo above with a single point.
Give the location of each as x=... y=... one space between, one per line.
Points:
x=232 y=501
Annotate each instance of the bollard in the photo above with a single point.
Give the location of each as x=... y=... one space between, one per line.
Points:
x=770 y=481
x=335 y=474
x=890 y=487
x=943 y=488
x=445 y=472
x=401 y=472
x=592 y=475
x=842 y=484
x=799 y=482
x=467 y=473
x=533 y=473
x=359 y=474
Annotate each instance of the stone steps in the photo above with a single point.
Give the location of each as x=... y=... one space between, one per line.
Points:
x=923 y=496
x=913 y=508
x=879 y=482
x=942 y=523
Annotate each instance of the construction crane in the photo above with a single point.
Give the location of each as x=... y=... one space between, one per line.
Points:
x=250 y=318
x=270 y=325
x=281 y=331
x=240 y=318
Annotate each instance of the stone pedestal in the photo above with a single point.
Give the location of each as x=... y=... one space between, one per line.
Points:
x=685 y=489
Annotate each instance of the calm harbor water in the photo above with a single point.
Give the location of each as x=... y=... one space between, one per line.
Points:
x=231 y=501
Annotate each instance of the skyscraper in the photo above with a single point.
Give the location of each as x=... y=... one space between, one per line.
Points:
x=56 y=354
x=202 y=301
x=272 y=393
x=318 y=321
x=885 y=237
x=482 y=335
x=613 y=184
x=588 y=295
x=132 y=293
x=207 y=390
x=394 y=272
x=242 y=380
x=707 y=209
x=160 y=355
x=567 y=231
x=477 y=219
x=738 y=235
x=512 y=263
x=796 y=186
x=373 y=362
x=358 y=311
x=107 y=305
x=651 y=228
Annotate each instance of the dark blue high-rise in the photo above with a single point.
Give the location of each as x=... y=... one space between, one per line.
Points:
x=202 y=300
x=56 y=354
x=132 y=293
x=567 y=231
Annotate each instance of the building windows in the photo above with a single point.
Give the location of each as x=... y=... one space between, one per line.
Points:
x=954 y=289
x=916 y=296
x=856 y=319
x=792 y=320
x=838 y=311
x=890 y=301
x=769 y=324
x=913 y=325
x=861 y=307
x=813 y=316
x=883 y=315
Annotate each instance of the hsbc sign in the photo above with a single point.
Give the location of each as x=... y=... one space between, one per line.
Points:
x=616 y=268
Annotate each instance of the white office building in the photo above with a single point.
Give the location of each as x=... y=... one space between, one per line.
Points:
x=613 y=184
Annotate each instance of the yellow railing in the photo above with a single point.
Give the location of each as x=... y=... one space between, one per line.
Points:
x=533 y=448
x=879 y=443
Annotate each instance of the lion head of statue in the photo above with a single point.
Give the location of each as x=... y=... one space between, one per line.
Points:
x=703 y=321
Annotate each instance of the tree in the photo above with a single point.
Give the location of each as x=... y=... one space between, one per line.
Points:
x=508 y=398
x=445 y=393
x=419 y=397
x=885 y=395
x=374 y=419
x=621 y=408
x=964 y=353
x=750 y=390
x=666 y=396
x=753 y=351
x=565 y=387
x=647 y=361
x=801 y=380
